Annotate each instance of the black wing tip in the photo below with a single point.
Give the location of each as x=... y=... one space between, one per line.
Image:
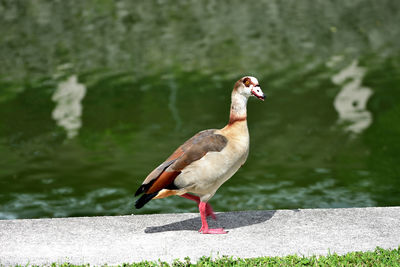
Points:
x=143 y=188
x=139 y=191
x=144 y=199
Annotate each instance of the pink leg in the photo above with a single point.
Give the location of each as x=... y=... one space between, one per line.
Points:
x=204 y=225
x=209 y=210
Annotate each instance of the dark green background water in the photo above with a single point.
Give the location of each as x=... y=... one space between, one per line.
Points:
x=151 y=74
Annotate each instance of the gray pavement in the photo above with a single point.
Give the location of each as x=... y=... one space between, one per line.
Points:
x=127 y=239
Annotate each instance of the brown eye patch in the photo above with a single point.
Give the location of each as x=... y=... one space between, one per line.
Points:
x=246 y=81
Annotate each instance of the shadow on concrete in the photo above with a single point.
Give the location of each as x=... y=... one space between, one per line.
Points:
x=227 y=220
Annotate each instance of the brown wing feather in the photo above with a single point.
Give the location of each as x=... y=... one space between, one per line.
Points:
x=162 y=181
x=199 y=148
x=158 y=171
x=151 y=178
x=193 y=149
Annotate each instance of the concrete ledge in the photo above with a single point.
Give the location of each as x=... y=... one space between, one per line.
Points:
x=127 y=239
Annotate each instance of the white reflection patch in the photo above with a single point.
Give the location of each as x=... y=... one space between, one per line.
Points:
x=352 y=99
x=68 y=111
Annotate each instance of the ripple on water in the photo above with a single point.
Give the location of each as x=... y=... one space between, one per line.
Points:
x=63 y=202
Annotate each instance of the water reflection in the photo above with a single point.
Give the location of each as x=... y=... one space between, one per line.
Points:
x=68 y=111
x=352 y=99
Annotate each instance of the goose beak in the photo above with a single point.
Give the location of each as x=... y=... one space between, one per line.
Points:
x=257 y=92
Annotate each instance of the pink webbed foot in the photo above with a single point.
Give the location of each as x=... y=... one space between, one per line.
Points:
x=203 y=207
x=213 y=231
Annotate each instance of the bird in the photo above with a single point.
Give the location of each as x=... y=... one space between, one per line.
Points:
x=197 y=168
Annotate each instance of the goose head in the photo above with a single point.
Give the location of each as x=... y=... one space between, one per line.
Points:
x=249 y=86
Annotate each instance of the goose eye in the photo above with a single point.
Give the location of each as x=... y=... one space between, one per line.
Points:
x=246 y=82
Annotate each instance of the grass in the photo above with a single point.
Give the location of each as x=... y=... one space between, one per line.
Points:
x=379 y=257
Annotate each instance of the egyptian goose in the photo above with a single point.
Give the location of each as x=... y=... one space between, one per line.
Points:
x=205 y=161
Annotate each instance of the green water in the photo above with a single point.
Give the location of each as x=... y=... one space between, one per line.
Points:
x=95 y=94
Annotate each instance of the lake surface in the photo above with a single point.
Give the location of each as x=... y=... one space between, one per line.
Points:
x=95 y=95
